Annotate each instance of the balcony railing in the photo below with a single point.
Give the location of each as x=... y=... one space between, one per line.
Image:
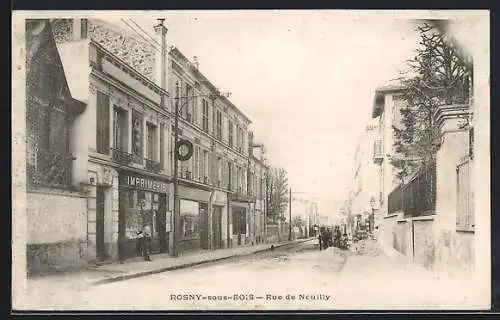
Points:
x=152 y=165
x=206 y=180
x=187 y=175
x=50 y=169
x=121 y=156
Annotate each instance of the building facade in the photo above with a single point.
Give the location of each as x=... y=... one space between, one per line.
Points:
x=386 y=109
x=122 y=137
x=120 y=147
x=365 y=198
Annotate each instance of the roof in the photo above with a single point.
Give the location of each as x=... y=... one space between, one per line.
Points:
x=176 y=53
x=378 y=100
x=77 y=74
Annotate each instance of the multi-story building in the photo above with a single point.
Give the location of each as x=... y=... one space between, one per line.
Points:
x=365 y=199
x=122 y=145
x=214 y=180
x=56 y=203
x=257 y=173
x=122 y=153
x=387 y=105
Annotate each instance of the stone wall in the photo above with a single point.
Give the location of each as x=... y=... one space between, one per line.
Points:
x=57 y=231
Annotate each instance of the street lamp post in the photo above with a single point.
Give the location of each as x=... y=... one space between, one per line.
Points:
x=175 y=251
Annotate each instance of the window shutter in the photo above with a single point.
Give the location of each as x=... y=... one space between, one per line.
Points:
x=102 y=123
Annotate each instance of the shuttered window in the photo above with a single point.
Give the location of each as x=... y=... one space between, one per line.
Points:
x=102 y=123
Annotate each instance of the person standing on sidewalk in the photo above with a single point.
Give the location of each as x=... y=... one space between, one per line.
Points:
x=146 y=244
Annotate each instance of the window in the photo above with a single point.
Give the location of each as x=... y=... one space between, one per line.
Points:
x=102 y=123
x=151 y=141
x=218 y=127
x=230 y=175
x=189 y=103
x=196 y=164
x=84 y=28
x=189 y=211
x=240 y=140
x=219 y=170
x=137 y=137
x=120 y=129
x=205 y=164
x=205 y=116
x=230 y=129
x=465 y=197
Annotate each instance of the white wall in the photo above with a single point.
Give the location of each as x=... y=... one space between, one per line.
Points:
x=56 y=217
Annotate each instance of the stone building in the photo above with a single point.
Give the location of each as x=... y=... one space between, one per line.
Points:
x=214 y=180
x=122 y=145
x=122 y=156
x=257 y=173
x=367 y=175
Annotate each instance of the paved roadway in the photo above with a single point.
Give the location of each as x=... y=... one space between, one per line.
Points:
x=258 y=281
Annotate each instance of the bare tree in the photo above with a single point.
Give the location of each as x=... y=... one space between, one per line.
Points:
x=277 y=193
x=438 y=75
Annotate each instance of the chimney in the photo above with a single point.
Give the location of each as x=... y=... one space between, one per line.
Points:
x=80 y=29
x=161 y=67
x=195 y=62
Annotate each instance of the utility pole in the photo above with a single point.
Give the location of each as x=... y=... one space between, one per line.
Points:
x=177 y=219
x=290 y=231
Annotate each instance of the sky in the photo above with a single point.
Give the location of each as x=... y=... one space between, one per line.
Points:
x=305 y=79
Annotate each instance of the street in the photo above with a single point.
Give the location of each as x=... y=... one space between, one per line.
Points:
x=292 y=277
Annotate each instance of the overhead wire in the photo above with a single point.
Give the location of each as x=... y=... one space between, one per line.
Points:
x=145 y=32
x=140 y=35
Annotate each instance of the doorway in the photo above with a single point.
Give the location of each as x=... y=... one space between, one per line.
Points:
x=100 y=211
x=216 y=223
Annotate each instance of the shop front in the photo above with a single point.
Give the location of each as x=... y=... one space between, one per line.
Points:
x=239 y=212
x=143 y=201
x=194 y=218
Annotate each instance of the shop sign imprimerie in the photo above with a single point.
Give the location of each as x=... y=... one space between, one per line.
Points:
x=144 y=183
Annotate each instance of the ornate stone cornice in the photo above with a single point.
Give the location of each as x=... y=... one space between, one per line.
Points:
x=454 y=112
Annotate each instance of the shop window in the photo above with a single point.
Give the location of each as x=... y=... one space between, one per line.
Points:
x=140 y=208
x=189 y=219
x=239 y=221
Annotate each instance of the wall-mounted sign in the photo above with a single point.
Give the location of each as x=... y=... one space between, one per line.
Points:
x=143 y=183
x=184 y=150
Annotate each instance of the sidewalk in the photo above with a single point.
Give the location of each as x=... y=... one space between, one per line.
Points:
x=161 y=262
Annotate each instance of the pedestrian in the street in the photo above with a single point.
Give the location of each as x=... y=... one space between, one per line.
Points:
x=146 y=244
x=319 y=239
x=139 y=242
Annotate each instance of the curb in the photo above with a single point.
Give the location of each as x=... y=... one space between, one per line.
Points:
x=187 y=265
